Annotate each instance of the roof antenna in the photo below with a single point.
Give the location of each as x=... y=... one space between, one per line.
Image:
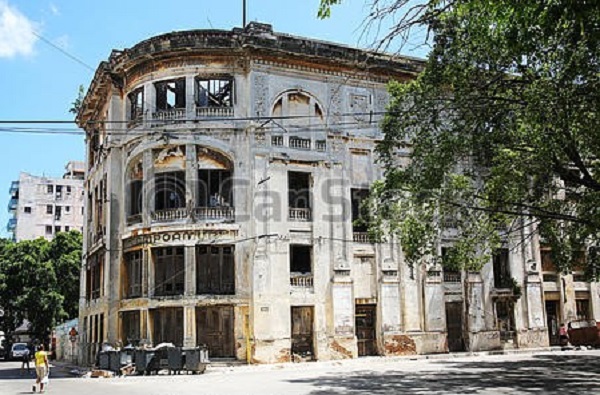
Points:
x=244 y=14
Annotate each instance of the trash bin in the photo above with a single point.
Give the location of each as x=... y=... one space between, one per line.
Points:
x=127 y=356
x=175 y=358
x=114 y=361
x=143 y=358
x=159 y=361
x=196 y=359
x=103 y=360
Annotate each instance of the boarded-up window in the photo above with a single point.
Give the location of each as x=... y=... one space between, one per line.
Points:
x=169 y=271
x=215 y=329
x=167 y=326
x=130 y=327
x=132 y=284
x=215 y=270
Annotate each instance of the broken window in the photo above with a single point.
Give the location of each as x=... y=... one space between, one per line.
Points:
x=136 y=106
x=170 y=190
x=169 y=271
x=135 y=197
x=299 y=189
x=217 y=92
x=502 y=278
x=583 y=309
x=170 y=94
x=94 y=273
x=132 y=284
x=215 y=270
x=359 y=212
x=300 y=259
x=451 y=272
x=214 y=188
x=130 y=324
x=167 y=326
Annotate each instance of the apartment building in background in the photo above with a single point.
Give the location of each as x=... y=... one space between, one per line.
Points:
x=43 y=206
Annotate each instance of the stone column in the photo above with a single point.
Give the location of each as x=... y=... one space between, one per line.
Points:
x=191 y=176
x=149 y=187
x=189 y=326
x=190 y=102
x=343 y=345
x=150 y=271
x=190 y=270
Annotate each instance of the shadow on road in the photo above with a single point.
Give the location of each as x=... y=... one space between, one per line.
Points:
x=564 y=374
x=15 y=373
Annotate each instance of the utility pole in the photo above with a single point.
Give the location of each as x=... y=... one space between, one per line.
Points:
x=244 y=13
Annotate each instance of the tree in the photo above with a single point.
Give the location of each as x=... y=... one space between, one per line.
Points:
x=501 y=127
x=76 y=104
x=39 y=281
x=64 y=254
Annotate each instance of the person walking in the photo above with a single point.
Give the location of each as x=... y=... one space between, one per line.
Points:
x=41 y=367
x=25 y=361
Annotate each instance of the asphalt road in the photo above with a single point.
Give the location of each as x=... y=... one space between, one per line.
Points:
x=562 y=373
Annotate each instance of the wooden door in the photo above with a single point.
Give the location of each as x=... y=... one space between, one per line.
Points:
x=552 y=322
x=365 y=319
x=302 y=331
x=214 y=327
x=454 y=325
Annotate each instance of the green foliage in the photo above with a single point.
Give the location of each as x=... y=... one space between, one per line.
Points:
x=76 y=104
x=39 y=281
x=501 y=126
x=325 y=8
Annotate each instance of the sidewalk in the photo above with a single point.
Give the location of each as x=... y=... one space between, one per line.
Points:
x=225 y=366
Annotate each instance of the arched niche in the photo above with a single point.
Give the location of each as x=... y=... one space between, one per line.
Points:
x=300 y=106
x=215 y=179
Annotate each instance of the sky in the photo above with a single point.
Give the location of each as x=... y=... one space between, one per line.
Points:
x=49 y=48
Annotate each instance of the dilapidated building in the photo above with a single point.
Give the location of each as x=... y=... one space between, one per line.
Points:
x=225 y=171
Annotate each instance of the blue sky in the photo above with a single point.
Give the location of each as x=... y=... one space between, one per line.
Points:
x=39 y=82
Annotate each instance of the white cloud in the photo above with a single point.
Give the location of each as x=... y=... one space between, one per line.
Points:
x=16 y=32
x=54 y=9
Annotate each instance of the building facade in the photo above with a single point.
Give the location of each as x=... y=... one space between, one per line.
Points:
x=43 y=206
x=225 y=171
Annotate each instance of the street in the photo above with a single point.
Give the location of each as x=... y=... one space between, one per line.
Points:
x=576 y=372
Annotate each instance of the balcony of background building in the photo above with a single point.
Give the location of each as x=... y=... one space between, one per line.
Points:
x=13 y=203
x=11 y=225
x=14 y=187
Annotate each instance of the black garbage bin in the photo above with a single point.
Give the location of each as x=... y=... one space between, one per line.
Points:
x=143 y=358
x=103 y=360
x=114 y=361
x=196 y=359
x=175 y=358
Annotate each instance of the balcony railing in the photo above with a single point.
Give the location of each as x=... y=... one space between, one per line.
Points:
x=134 y=219
x=11 y=225
x=361 y=237
x=214 y=213
x=172 y=214
x=277 y=141
x=452 y=277
x=299 y=214
x=12 y=204
x=298 y=280
x=321 y=145
x=214 y=112
x=172 y=115
x=14 y=187
x=299 y=143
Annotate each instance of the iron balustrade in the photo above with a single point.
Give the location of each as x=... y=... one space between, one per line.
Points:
x=452 y=277
x=172 y=115
x=361 y=237
x=172 y=214
x=298 y=143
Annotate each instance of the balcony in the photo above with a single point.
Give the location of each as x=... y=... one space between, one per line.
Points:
x=361 y=237
x=12 y=205
x=214 y=112
x=11 y=225
x=298 y=143
x=321 y=145
x=214 y=213
x=301 y=280
x=452 y=277
x=299 y=214
x=174 y=115
x=134 y=219
x=172 y=214
x=14 y=187
x=197 y=214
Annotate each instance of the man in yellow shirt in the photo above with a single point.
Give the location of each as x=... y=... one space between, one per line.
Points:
x=41 y=367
